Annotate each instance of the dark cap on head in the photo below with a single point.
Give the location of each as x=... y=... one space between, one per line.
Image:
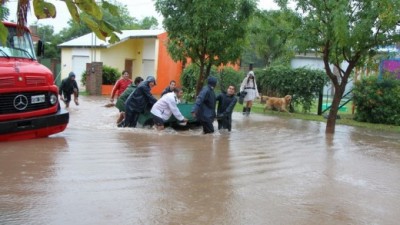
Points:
x=212 y=81
x=71 y=74
x=151 y=79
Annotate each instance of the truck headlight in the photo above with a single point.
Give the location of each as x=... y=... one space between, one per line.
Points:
x=53 y=99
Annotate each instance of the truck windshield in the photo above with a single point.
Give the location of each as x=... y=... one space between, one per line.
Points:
x=17 y=46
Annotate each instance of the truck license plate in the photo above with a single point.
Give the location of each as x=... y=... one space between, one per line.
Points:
x=37 y=99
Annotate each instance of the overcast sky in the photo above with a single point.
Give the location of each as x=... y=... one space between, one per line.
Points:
x=137 y=8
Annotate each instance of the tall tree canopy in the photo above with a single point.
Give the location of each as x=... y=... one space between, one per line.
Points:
x=271 y=35
x=209 y=32
x=88 y=12
x=344 y=33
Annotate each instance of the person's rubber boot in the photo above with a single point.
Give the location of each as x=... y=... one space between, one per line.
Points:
x=248 y=111
x=244 y=111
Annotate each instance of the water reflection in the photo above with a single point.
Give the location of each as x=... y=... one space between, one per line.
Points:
x=268 y=170
x=27 y=169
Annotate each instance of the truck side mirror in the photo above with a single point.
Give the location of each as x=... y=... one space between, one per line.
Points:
x=40 y=48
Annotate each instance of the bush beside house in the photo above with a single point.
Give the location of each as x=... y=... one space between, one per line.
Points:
x=110 y=76
x=377 y=100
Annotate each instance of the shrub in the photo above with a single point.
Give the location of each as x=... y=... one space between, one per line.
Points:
x=110 y=75
x=229 y=76
x=377 y=100
x=226 y=76
x=302 y=83
x=189 y=78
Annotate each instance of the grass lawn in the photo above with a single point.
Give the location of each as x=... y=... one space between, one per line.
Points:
x=346 y=118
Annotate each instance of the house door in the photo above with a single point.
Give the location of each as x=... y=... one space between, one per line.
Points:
x=128 y=66
x=79 y=67
x=148 y=68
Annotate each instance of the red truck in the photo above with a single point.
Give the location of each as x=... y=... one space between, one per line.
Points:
x=29 y=106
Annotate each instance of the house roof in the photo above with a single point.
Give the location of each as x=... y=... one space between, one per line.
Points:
x=91 y=40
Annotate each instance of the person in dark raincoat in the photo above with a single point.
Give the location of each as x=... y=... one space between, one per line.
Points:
x=226 y=103
x=204 y=107
x=139 y=101
x=122 y=98
x=67 y=88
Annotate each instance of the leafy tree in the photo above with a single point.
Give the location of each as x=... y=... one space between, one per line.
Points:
x=88 y=12
x=271 y=36
x=228 y=76
x=344 y=33
x=148 y=23
x=189 y=78
x=75 y=30
x=122 y=22
x=4 y=12
x=208 y=32
x=51 y=41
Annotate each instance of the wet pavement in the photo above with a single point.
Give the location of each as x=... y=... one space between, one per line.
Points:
x=268 y=170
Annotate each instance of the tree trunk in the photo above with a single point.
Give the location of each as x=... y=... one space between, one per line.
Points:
x=337 y=97
x=200 y=81
x=331 y=123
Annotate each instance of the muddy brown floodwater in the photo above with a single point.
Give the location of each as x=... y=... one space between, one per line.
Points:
x=268 y=170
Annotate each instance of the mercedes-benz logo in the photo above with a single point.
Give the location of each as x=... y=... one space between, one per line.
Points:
x=20 y=102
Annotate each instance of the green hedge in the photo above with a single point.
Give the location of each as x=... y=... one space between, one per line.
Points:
x=110 y=75
x=190 y=75
x=229 y=76
x=302 y=83
x=377 y=100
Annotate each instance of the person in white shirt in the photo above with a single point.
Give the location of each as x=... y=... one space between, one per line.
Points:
x=167 y=106
x=249 y=86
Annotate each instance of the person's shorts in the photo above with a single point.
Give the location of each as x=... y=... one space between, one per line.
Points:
x=158 y=121
x=67 y=98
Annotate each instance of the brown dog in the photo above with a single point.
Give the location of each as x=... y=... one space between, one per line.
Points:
x=280 y=104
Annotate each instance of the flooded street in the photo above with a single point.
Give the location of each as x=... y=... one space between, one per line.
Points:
x=268 y=170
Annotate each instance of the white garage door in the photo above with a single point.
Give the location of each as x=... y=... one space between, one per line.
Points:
x=148 y=68
x=79 y=67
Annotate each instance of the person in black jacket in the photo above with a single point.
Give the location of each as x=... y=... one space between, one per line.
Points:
x=226 y=103
x=170 y=88
x=67 y=88
x=139 y=101
x=204 y=107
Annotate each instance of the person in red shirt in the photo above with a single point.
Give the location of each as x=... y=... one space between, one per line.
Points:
x=120 y=85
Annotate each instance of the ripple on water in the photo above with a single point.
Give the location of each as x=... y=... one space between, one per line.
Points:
x=264 y=170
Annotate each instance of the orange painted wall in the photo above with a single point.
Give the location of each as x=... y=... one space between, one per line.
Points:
x=167 y=69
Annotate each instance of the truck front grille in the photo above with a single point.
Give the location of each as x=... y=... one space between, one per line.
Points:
x=7 y=81
x=23 y=102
